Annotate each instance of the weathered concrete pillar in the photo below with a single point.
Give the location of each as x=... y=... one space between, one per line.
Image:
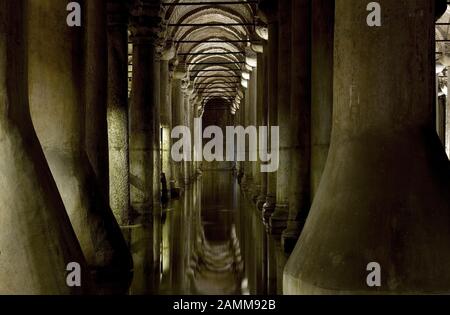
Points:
x=300 y=122
x=322 y=23
x=117 y=111
x=56 y=89
x=36 y=238
x=384 y=193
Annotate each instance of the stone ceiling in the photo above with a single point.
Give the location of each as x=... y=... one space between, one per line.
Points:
x=213 y=42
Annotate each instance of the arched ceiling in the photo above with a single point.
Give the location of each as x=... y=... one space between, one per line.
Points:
x=211 y=40
x=443 y=49
x=443 y=33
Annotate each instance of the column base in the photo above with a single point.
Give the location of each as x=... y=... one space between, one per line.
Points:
x=278 y=220
x=175 y=193
x=290 y=236
x=260 y=200
x=255 y=193
x=268 y=209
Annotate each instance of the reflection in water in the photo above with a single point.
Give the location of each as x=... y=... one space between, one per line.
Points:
x=197 y=250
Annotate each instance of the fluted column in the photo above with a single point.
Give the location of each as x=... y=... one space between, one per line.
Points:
x=118 y=137
x=383 y=195
x=300 y=122
x=36 y=237
x=56 y=71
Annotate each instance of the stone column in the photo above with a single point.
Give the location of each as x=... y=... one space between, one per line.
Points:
x=172 y=179
x=261 y=120
x=58 y=111
x=144 y=130
x=300 y=121
x=187 y=92
x=36 y=237
x=192 y=102
x=196 y=114
x=166 y=120
x=119 y=169
x=322 y=23
x=145 y=25
x=95 y=92
x=270 y=8
x=382 y=197
x=269 y=14
x=279 y=217
x=177 y=120
x=247 y=164
x=157 y=130
x=254 y=167
x=447 y=115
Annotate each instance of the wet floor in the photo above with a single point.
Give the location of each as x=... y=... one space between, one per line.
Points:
x=196 y=250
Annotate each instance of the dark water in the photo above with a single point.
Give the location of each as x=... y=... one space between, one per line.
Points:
x=196 y=248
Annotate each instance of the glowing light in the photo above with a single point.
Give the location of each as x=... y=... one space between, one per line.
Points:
x=252 y=62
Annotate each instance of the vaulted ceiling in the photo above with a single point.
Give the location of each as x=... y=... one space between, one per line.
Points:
x=214 y=43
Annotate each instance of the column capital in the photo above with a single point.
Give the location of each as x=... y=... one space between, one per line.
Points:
x=117 y=13
x=251 y=58
x=168 y=51
x=186 y=88
x=179 y=71
x=145 y=22
x=262 y=31
x=268 y=11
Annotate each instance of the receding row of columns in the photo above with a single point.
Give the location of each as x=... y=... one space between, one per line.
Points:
x=359 y=194
x=284 y=91
x=83 y=165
